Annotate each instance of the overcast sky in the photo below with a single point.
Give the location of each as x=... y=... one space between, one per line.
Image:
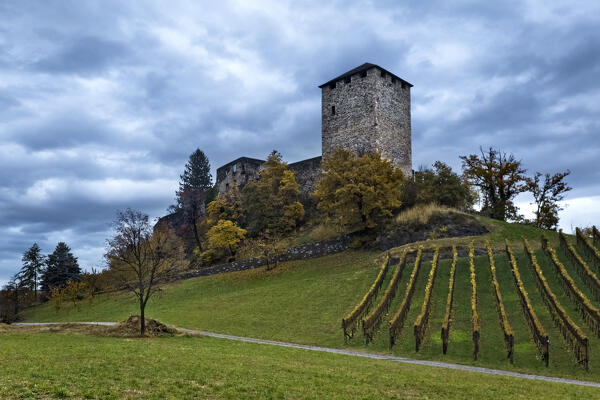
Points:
x=101 y=102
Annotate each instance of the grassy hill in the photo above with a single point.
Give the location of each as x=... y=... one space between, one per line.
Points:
x=304 y=301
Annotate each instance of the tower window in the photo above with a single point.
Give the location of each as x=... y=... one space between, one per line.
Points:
x=234 y=168
x=363 y=74
x=382 y=74
x=347 y=80
x=332 y=110
x=393 y=80
x=332 y=85
x=403 y=85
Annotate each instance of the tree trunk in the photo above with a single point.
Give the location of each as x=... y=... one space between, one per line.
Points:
x=142 y=318
x=194 y=218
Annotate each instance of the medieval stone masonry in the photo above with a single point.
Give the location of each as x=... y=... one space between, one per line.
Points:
x=364 y=110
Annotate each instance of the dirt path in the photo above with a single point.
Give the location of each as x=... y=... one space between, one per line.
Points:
x=357 y=354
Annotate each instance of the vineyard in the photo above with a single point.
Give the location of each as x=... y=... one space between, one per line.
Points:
x=534 y=302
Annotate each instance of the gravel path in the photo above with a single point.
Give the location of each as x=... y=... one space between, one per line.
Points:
x=358 y=354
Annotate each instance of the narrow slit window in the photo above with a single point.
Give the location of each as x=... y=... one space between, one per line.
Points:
x=332 y=110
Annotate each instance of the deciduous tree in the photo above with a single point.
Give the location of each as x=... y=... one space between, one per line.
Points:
x=271 y=203
x=358 y=192
x=442 y=186
x=226 y=236
x=140 y=258
x=226 y=206
x=499 y=177
x=546 y=195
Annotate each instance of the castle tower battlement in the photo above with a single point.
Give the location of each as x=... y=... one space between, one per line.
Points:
x=367 y=109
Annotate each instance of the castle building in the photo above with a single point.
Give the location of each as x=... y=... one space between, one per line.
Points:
x=364 y=110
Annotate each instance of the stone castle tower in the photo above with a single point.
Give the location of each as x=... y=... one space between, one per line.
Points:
x=367 y=109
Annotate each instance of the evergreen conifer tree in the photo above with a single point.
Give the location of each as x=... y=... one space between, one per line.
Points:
x=33 y=266
x=194 y=187
x=196 y=175
x=61 y=266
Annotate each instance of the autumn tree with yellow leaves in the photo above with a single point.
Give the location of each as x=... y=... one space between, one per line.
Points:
x=225 y=236
x=358 y=193
x=271 y=203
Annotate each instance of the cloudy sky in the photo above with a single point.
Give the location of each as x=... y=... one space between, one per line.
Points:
x=101 y=102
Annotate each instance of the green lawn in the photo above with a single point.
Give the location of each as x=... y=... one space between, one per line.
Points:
x=56 y=365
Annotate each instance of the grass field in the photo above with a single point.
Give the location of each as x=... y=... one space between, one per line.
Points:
x=55 y=365
x=304 y=301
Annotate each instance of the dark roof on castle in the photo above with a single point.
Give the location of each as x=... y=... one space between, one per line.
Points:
x=363 y=68
x=242 y=159
x=308 y=161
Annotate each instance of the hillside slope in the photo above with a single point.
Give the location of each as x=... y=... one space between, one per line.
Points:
x=304 y=301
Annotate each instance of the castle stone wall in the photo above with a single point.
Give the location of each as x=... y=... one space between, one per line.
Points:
x=240 y=172
x=307 y=173
x=367 y=112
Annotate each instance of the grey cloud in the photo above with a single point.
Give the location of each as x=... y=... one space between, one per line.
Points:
x=83 y=55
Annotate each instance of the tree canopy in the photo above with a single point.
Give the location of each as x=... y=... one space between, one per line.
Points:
x=195 y=190
x=547 y=194
x=271 y=203
x=196 y=174
x=61 y=267
x=225 y=235
x=226 y=206
x=33 y=267
x=499 y=177
x=440 y=185
x=358 y=192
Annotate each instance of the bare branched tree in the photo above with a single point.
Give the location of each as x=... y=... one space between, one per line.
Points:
x=547 y=193
x=140 y=257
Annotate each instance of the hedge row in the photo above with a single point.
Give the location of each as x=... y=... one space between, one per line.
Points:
x=590 y=278
x=574 y=336
x=589 y=313
x=420 y=325
x=592 y=252
x=475 y=314
x=540 y=337
x=446 y=324
x=509 y=336
x=398 y=320
x=372 y=321
x=350 y=321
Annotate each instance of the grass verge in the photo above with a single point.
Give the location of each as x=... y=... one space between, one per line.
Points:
x=184 y=367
